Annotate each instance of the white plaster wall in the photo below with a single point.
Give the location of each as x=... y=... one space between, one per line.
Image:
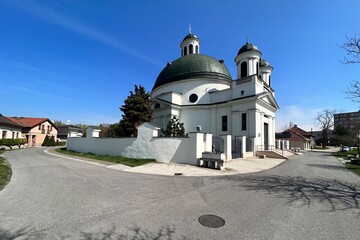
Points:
x=102 y=146
x=192 y=117
x=200 y=87
x=177 y=150
x=248 y=87
x=220 y=96
x=10 y=132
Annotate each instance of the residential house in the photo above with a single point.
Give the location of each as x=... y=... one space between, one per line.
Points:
x=36 y=129
x=9 y=129
x=66 y=131
x=298 y=138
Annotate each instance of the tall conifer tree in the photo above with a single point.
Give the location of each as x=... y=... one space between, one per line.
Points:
x=136 y=110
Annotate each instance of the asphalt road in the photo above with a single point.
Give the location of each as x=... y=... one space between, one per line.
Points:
x=307 y=197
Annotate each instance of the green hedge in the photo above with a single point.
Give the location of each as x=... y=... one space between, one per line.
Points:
x=12 y=142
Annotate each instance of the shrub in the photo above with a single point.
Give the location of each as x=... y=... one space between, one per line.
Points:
x=58 y=143
x=12 y=142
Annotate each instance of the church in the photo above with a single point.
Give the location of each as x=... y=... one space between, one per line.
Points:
x=200 y=91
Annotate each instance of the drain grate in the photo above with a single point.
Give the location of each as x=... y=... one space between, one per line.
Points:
x=211 y=221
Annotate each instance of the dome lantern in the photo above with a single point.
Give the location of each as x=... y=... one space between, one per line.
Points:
x=190 y=44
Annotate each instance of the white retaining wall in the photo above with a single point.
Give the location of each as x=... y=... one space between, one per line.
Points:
x=147 y=145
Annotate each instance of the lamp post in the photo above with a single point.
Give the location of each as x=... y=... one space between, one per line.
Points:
x=68 y=131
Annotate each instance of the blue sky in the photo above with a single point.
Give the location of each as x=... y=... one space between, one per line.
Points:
x=78 y=60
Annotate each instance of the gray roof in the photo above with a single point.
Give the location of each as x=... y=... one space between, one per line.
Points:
x=4 y=121
x=248 y=47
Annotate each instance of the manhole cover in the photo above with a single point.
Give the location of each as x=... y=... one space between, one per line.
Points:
x=211 y=221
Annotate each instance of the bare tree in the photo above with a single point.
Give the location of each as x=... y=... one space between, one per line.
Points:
x=352 y=48
x=325 y=119
x=288 y=126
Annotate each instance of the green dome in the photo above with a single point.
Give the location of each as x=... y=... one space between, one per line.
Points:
x=264 y=63
x=248 y=47
x=193 y=66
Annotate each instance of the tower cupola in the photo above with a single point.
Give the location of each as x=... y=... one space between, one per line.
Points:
x=248 y=60
x=190 y=44
x=265 y=71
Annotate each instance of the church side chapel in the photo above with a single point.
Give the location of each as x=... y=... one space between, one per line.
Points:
x=200 y=91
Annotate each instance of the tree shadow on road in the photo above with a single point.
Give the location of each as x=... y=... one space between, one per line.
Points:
x=134 y=233
x=332 y=194
x=330 y=167
x=23 y=233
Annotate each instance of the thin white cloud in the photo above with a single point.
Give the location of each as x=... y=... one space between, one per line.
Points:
x=304 y=118
x=77 y=27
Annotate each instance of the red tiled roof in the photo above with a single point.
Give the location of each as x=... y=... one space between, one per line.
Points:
x=28 y=122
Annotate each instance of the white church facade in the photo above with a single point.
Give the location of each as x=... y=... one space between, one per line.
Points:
x=200 y=91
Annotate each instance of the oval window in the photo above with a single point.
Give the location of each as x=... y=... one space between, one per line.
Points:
x=193 y=98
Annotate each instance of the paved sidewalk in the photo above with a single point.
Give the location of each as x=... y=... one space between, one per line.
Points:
x=235 y=166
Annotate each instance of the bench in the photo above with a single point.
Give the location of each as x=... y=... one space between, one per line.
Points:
x=211 y=163
x=295 y=149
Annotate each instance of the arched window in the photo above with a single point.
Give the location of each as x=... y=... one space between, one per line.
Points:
x=244 y=69
x=191 y=49
x=257 y=68
x=185 y=50
x=197 y=49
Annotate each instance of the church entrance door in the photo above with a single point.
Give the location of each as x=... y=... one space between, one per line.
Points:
x=266 y=136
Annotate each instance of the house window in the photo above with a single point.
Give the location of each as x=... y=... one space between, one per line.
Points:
x=4 y=134
x=242 y=92
x=50 y=128
x=39 y=127
x=224 y=123
x=191 y=49
x=243 y=121
x=244 y=69
x=157 y=105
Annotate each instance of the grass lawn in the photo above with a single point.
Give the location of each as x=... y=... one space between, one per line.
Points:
x=131 y=162
x=5 y=172
x=345 y=154
x=353 y=167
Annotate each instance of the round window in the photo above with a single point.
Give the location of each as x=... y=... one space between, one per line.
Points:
x=193 y=98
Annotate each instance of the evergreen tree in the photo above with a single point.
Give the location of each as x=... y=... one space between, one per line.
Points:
x=52 y=141
x=136 y=110
x=46 y=141
x=174 y=128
